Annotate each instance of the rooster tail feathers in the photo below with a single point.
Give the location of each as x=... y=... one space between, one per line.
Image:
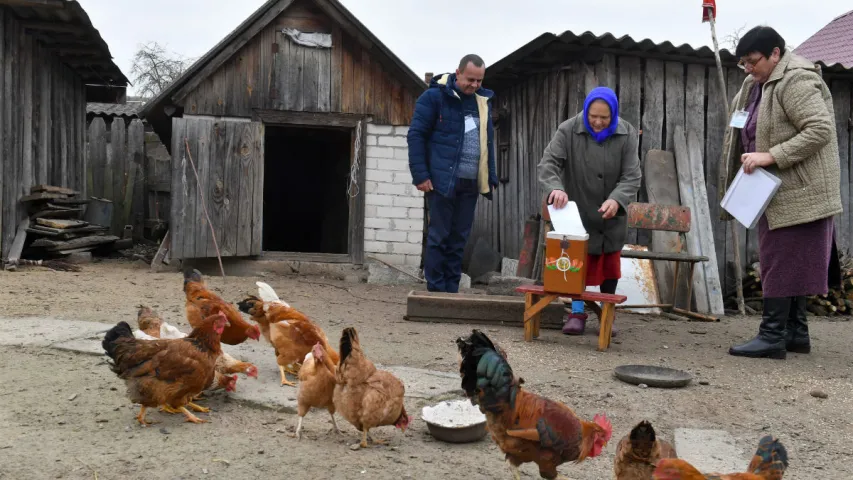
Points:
x=349 y=341
x=487 y=377
x=120 y=330
x=643 y=432
x=192 y=275
x=771 y=456
x=267 y=294
x=248 y=304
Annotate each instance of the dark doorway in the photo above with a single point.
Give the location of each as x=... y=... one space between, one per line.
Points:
x=306 y=173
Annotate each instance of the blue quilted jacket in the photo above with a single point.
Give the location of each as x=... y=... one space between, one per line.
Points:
x=435 y=137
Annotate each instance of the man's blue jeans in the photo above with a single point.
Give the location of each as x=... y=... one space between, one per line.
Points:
x=450 y=221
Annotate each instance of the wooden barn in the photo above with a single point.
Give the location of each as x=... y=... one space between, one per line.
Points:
x=53 y=62
x=659 y=86
x=291 y=132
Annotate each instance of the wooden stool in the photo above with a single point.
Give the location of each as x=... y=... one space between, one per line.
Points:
x=536 y=298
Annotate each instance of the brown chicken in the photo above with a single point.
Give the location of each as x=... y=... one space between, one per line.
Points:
x=198 y=295
x=639 y=452
x=291 y=333
x=769 y=463
x=316 y=386
x=525 y=426
x=165 y=372
x=367 y=397
x=149 y=321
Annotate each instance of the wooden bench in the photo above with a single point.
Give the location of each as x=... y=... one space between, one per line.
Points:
x=673 y=218
x=536 y=298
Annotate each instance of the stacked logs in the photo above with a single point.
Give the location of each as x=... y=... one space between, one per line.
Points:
x=839 y=301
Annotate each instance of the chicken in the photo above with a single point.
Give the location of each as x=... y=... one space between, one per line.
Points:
x=525 y=426
x=291 y=333
x=769 y=463
x=198 y=295
x=367 y=397
x=149 y=321
x=638 y=453
x=165 y=372
x=151 y=327
x=316 y=385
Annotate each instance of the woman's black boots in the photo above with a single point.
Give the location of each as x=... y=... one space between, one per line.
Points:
x=772 y=338
x=798 y=329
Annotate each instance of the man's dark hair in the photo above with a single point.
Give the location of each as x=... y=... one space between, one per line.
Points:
x=760 y=39
x=470 y=58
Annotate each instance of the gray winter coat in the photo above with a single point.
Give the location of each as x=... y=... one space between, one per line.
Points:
x=590 y=173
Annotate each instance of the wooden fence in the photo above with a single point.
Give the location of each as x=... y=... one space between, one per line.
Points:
x=115 y=160
x=654 y=96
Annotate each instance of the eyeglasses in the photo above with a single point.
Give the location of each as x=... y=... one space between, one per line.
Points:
x=751 y=63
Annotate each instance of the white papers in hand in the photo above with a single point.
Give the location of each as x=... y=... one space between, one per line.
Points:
x=749 y=194
x=567 y=220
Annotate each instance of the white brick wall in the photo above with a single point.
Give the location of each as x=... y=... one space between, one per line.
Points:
x=393 y=226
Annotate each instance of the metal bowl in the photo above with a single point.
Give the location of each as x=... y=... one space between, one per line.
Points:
x=462 y=432
x=467 y=434
x=653 y=376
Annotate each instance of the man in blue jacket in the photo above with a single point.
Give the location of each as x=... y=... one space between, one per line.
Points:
x=452 y=160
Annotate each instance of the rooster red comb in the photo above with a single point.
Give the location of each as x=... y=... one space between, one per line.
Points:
x=604 y=423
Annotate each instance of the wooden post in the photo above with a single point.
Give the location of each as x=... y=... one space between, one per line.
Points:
x=723 y=174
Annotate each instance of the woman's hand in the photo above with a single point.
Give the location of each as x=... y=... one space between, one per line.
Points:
x=756 y=159
x=608 y=209
x=558 y=198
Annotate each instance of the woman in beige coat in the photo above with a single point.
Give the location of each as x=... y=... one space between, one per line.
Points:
x=790 y=132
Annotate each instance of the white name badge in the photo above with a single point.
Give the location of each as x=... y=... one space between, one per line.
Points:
x=469 y=124
x=739 y=119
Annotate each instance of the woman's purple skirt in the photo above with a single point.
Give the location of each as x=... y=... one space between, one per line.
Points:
x=795 y=260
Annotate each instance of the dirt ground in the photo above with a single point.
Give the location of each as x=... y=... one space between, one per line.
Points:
x=64 y=415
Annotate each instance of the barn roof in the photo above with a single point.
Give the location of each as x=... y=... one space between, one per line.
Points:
x=832 y=44
x=263 y=16
x=63 y=27
x=550 y=50
x=129 y=110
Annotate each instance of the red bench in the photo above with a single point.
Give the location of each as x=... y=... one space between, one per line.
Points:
x=536 y=298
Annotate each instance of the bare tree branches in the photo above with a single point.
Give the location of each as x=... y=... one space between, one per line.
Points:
x=731 y=40
x=154 y=68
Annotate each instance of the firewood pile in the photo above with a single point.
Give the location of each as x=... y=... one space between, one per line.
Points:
x=836 y=302
x=56 y=226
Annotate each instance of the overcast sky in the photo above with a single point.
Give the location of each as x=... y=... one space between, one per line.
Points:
x=433 y=35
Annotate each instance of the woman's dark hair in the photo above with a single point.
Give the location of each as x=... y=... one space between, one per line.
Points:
x=760 y=39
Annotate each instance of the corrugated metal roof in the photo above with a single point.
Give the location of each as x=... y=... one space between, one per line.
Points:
x=550 y=51
x=130 y=110
x=832 y=44
x=63 y=27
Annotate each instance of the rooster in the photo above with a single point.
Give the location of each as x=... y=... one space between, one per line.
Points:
x=638 y=453
x=769 y=463
x=291 y=333
x=367 y=397
x=166 y=372
x=525 y=426
x=198 y=296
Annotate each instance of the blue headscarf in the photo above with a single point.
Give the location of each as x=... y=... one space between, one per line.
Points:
x=609 y=96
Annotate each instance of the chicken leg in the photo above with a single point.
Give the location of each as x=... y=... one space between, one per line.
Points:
x=334 y=423
x=190 y=417
x=516 y=475
x=299 y=429
x=284 y=380
x=141 y=417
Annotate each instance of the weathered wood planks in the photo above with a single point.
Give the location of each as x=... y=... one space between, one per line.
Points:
x=228 y=156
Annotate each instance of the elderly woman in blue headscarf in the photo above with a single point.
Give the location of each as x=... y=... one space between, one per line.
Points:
x=593 y=160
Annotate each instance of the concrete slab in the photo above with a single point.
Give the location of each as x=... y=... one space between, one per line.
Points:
x=44 y=331
x=509 y=267
x=711 y=451
x=379 y=274
x=266 y=391
x=426 y=384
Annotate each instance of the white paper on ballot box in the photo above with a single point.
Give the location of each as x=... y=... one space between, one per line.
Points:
x=567 y=220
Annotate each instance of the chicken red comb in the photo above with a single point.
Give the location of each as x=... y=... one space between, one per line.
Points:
x=603 y=422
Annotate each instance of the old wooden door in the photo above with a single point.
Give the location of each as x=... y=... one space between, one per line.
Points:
x=229 y=159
